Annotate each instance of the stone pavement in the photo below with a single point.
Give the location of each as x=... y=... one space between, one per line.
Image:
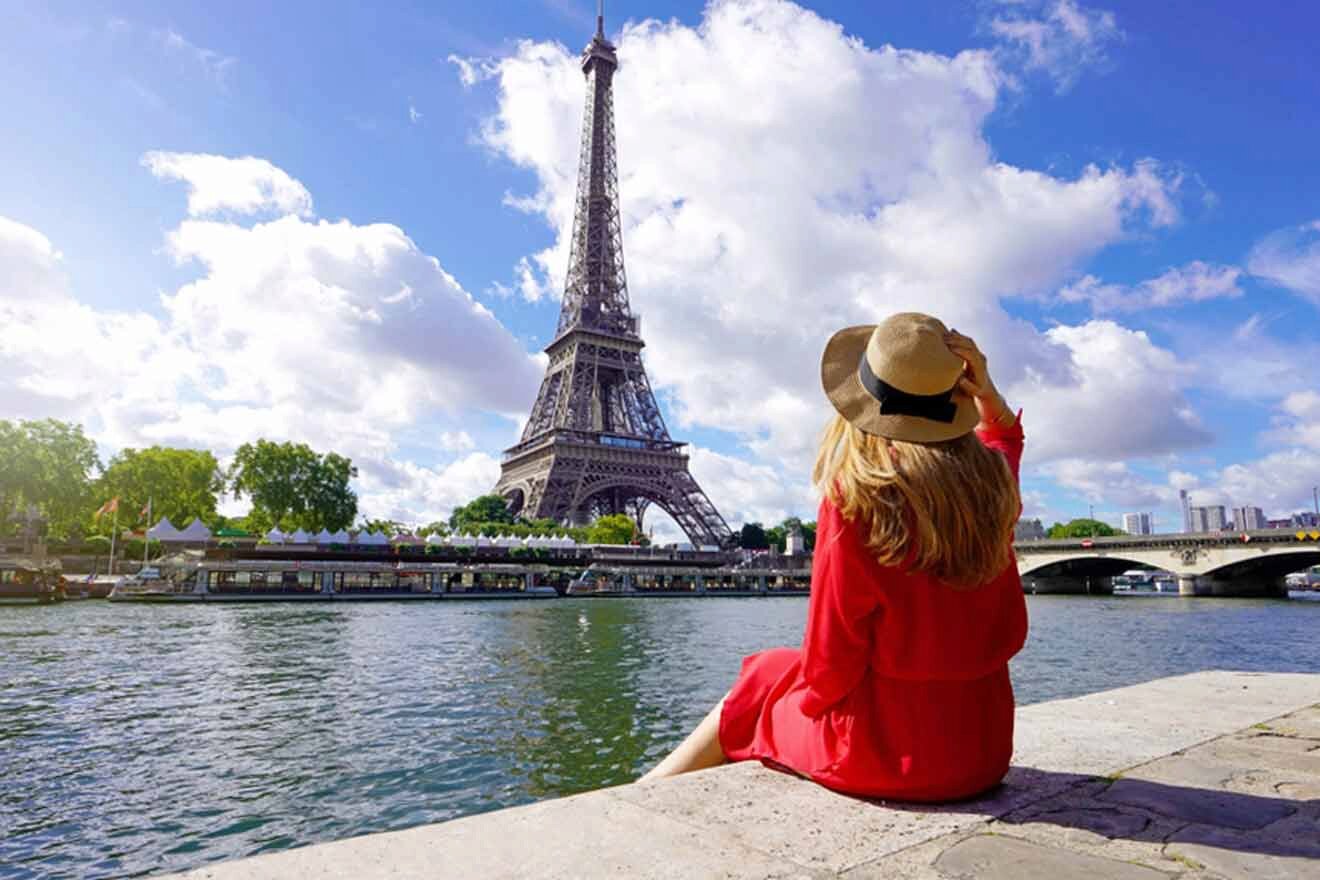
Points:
x=1203 y=776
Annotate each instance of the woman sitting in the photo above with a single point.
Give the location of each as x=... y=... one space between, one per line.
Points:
x=900 y=689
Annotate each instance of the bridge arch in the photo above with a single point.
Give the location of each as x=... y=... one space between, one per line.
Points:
x=1272 y=566
x=1097 y=565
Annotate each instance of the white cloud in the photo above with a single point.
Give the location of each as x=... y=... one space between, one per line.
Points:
x=346 y=337
x=456 y=441
x=414 y=115
x=1112 y=482
x=1062 y=38
x=1119 y=397
x=748 y=492
x=766 y=206
x=469 y=71
x=1196 y=282
x=1279 y=482
x=1290 y=258
x=218 y=183
x=215 y=64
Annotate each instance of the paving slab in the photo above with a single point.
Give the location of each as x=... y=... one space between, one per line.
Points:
x=996 y=857
x=1171 y=778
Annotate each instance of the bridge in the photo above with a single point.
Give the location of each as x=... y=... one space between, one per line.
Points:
x=1250 y=563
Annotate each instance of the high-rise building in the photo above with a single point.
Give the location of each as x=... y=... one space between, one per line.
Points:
x=1028 y=530
x=1247 y=518
x=1210 y=518
x=1186 y=503
x=1136 y=523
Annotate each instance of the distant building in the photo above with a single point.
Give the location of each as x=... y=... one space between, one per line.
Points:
x=1247 y=518
x=794 y=543
x=1210 y=518
x=1136 y=523
x=1028 y=530
x=1186 y=510
x=1305 y=520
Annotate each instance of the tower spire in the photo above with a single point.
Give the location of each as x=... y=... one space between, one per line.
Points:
x=595 y=442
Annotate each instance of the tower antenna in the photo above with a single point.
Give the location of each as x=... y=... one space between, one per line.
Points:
x=600 y=18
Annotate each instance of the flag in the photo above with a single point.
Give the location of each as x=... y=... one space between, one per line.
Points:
x=109 y=507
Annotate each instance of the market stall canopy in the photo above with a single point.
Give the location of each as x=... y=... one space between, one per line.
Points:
x=163 y=531
x=372 y=539
x=298 y=537
x=339 y=537
x=324 y=537
x=435 y=538
x=275 y=536
x=461 y=541
x=195 y=531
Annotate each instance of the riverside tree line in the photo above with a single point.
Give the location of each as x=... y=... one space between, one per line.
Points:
x=52 y=475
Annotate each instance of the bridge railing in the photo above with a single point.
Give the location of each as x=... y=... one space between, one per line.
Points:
x=1172 y=540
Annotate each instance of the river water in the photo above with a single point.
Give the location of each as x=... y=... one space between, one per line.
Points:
x=141 y=739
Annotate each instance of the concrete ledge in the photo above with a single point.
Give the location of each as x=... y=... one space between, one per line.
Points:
x=1218 y=775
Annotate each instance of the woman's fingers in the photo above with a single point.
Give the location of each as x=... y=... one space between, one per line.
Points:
x=968 y=387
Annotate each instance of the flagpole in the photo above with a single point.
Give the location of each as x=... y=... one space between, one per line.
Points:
x=146 y=534
x=114 y=533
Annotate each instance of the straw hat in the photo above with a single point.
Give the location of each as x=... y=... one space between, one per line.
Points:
x=898 y=379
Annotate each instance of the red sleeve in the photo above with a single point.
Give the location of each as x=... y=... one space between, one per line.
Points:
x=836 y=649
x=1007 y=440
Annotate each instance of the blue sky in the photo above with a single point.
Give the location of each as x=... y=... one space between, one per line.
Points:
x=1116 y=198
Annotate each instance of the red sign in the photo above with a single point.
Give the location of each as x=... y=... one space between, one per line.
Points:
x=1087 y=542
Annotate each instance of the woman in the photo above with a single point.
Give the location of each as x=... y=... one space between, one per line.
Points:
x=901 y=687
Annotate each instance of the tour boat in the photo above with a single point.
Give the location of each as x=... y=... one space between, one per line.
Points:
x=26 y=582
x=290 y=580
x=603 y=581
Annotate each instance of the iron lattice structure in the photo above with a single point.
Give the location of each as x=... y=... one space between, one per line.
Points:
x=595 y=442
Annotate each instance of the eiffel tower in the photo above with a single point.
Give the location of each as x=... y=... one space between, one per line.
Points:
x=595 y=442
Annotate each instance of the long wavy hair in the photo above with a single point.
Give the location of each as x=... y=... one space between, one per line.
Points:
x=945 y=508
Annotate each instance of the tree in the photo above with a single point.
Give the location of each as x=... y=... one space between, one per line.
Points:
x=486 y=509
x=387 y=527
x=1082 y=528
x=183 y=484
x=439 y=527
x=753 y=537
x=292 y=486
x=616 y=528
x=48 y=465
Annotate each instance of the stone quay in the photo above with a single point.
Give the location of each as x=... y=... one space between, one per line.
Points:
x=1207 y=776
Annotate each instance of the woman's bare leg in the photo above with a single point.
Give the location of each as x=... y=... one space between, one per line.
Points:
x=700 y=750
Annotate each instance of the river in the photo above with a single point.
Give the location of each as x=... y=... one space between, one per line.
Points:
x=142 y=739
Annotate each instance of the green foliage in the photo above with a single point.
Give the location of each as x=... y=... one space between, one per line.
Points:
x=183 y=484
x=132 y=549
x=486 y=509
x=1083 y=528
x=617 y=528
x=436 y=528
x=778 y=535
x=387 y=527
x=753 y=537
x=48 y=465
x=292 y=486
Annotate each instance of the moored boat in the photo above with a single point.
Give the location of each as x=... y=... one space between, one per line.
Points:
x=28 y=582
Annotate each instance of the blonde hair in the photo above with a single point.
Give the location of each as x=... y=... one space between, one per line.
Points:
x=944 y=508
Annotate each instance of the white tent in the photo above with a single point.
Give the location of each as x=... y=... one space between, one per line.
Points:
x=275 y=536
x=372 y=539
x=482 y=541
x=195 y=532
x=163 y=531
x=460 y=541
x=298 y=537
x=339 y=537
x=507 y=541
x=324 y=537
x=435 y=538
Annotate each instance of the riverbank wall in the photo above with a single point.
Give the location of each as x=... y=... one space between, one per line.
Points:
x=1208 y=775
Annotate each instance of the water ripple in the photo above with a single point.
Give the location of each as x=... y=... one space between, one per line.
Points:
x=137 y=740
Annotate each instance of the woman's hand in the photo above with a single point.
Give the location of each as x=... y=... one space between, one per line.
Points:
x=976 y=382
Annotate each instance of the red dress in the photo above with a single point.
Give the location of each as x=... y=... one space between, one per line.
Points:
x=901 y=688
